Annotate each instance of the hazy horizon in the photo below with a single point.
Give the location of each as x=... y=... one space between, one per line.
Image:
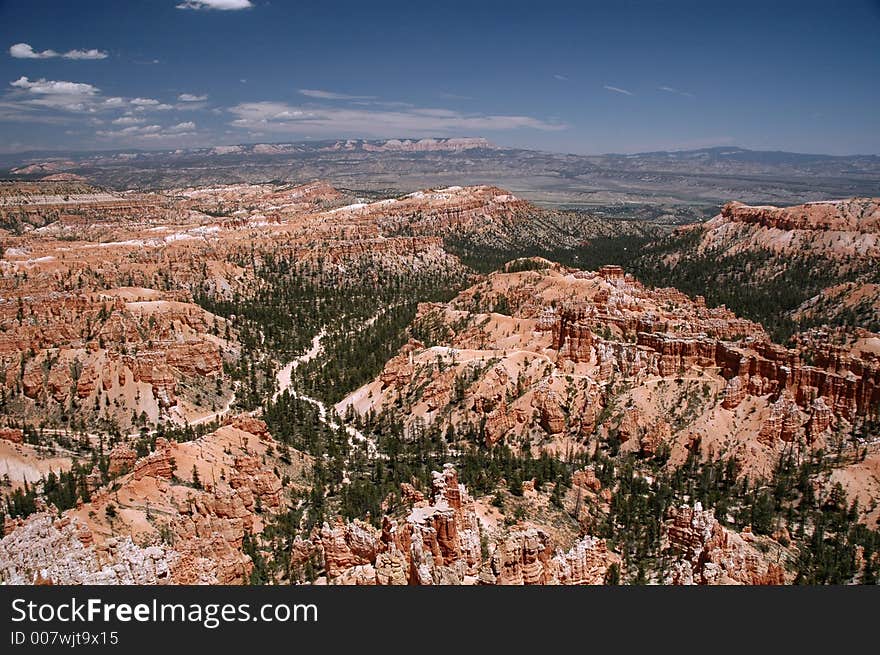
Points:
x=158 y=149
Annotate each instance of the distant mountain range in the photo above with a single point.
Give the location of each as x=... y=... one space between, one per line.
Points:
x=708 y=176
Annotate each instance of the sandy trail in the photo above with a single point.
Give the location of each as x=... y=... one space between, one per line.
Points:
x=331 y=419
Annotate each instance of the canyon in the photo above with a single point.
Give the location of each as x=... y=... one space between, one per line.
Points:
x=275 y=383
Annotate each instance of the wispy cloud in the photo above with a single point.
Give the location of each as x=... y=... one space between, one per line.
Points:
x=222 y=5
x=54 y=87
x=155 y=132
x=137 y=120
x=149 y=104
x=129 y=120
x=91 y=53
x=670 y=89
x=330 y=95
x=453 y=96
x=26 y=51
x=190 y=97
x=60 y=101
x=560 y=77
x=335 y=121
x=617 y=89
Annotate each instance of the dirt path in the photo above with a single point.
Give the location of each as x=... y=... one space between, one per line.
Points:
x=285 y=383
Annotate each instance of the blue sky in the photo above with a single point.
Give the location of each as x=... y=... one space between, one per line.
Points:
x=577 y=77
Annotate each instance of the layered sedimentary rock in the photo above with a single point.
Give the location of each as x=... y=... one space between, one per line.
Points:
x=523 y=558
x=588 y=562
x=854 y=215
x=572 y=336
x=347 y=545
x=13 y=435
x=159 y=524
x=578 y=355
x=99 y=312
x=834 y=243
x=712 y=554
x=61 y=551
x=439 y=543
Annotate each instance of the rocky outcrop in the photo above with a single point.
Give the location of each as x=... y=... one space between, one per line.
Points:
x=855 y=215
x=571 y=334
x=250 y=424
x=121 y=460
x=784 y=421
x=399 y=369
x=13 y=435
x=523 y=558
x=734 y=393
x=821 y=418
x=186 y=532
x=61 y=551
x=439 y=542
x=588 y=562
x=347 y=545
x=157 y=464
x=552 y=413
x=712 y=554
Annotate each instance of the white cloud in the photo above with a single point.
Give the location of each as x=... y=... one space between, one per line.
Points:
x=189 y=97
x=223 y=5
x=129 y=120
x=91 y=53
x=149 y=104
x=561 y=78
x=75 y=97
x=50 y=87
x=330 y=95
x=453 y=96
x=334 y=121
x=26 y=51
x=617 y=89
x=151 y=132
x=670 y=89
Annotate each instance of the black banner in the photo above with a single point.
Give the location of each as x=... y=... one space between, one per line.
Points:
x=241 y=619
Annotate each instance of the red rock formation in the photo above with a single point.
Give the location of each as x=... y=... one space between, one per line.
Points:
x=712 y=554
x=523 y=558
x=250 y=474
x=121 y=460
x=587 y=479
x=821 y=417
x=345 y=545
x=250 y=424
x=734 y=393
x=11 y=434
x=399 y=369
x=857 y=214
x=439 y=543
x=551 y=411
x=571 y=334
x=784 y=421
x=157 y=464
x=611 y=272
x=588 y=562
x=202 y=529
x=657 y=434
